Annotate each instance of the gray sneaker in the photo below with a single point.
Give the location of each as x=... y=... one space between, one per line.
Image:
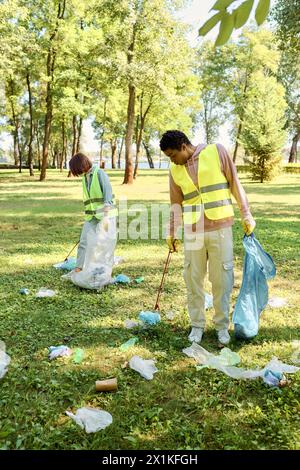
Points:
x=195 y=335
x=224 y=337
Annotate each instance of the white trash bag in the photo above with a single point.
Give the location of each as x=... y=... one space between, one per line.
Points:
x=145 y=367
x=99 y=258
x=91 y=419
x=4 y=360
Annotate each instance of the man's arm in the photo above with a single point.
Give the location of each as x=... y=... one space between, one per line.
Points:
x=176 y=199
x=229 y=170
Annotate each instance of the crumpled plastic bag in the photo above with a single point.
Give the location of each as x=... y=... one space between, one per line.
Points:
x=57 y=351
x=208 y=301
x=24 y=291
x=118 y=260
x=44 y=292
x=150 y=318
x=296 y=352
x=131 y=342
x=277 y=302
x=121 y=279
x=129 y=324
x=145 y=367
x=68 y=265
x=99 y=258
x=4 y=360
x=215 y=362
x=91 y=419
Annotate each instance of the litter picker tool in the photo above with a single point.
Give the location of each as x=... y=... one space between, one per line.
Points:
x=66 y=258
x=157 y=307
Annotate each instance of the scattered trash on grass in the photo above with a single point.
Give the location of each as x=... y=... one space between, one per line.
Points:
x=118 y=260
x=277 y=302
x=149 y=318
x=4 y=359
x=296 y=352
x=140 y=279
x=145 y=367
x=57 y=351
x=121 y=279
x=109 y=385
x=44 y=292
x=91 y=419
x=131 y=342
x=170 y=315
x=68 y=265
x=24 y=291
x=78 y=356
x=129 y=324
x=205 y=358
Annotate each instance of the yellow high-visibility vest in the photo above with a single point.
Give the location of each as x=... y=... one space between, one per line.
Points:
x=213 y=194
x=93 y=199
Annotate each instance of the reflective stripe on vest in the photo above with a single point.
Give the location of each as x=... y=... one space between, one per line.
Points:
x=213 y=194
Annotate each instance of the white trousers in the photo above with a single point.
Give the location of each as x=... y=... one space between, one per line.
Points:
x=215 y=250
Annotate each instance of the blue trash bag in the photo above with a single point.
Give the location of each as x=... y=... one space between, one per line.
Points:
x=253 y=296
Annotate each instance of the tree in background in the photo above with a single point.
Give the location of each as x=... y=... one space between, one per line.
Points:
x=263 y=135
x=286 y=15
x=212 y=67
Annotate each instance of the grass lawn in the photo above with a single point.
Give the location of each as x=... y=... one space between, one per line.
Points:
x=181 y=408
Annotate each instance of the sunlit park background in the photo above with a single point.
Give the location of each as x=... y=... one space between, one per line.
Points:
x=108 y=78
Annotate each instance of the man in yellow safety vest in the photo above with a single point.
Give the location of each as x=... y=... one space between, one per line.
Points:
x=202 y=179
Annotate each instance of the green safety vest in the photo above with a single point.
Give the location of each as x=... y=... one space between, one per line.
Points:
x=213 y=193
x=93 y=199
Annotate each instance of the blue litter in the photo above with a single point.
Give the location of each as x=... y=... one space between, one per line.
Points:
x=24 y=291
x=150 y=318
x=121 y=279
x=253 y=296
x=273 y=378
x=67 y=265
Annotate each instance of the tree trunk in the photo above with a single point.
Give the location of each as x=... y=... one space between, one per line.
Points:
x=113 y=143
x=149 y=158
x=128 y=177
x=293 y=151
x=49 y=105
x=103 y=132
x=30 y=162
x=74 y=127
x=38 y=146
x=236 y=142
x=79 y=134
x=120 y=153
x=63 y=139
x=17 y=147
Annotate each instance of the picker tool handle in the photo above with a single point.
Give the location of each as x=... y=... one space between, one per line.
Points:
x=66 y=258
x=162 y=280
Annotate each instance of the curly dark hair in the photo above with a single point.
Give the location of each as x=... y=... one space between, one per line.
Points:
x=173 y=140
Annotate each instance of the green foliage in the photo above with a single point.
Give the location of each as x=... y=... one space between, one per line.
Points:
x=234 y=19
x=263 y=135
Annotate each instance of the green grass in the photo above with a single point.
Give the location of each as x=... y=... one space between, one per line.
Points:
x=181 y=408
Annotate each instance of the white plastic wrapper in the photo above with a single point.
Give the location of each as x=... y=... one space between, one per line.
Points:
x=277 y=302
x=4 y=360
x=205 y=358
x=99 y=258
x=44 y=292
x=91 y=419
x=145 y=367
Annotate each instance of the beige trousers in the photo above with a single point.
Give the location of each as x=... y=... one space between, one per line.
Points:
x=214 y=249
